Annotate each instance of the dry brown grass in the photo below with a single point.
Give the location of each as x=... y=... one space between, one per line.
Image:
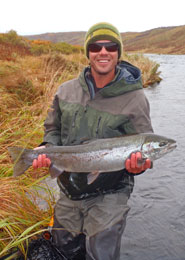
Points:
x=149 y=68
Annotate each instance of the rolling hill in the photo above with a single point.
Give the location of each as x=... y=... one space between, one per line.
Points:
x=166 y=40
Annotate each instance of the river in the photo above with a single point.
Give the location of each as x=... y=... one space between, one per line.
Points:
x=155 y=227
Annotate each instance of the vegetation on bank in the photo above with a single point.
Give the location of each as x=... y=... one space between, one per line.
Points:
x=30 y=72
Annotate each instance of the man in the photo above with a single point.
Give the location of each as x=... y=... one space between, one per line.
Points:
x=106 y=100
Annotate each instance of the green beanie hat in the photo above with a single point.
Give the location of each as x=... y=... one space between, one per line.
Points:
x=103 y=31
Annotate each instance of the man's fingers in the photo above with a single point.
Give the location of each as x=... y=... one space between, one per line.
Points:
x=134 y=165
x=44 y=161
x=133 y=161
x=127 y=165
x=41 y=161
x=147 y=164
x=48 y=162
x=35 y=164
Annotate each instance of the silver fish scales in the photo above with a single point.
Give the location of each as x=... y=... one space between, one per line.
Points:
x=100 y=155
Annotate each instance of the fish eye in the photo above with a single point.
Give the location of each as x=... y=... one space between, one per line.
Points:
x=163 y=143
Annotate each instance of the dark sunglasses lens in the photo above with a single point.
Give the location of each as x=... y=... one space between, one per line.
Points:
x=112 y=47
x=94 y=47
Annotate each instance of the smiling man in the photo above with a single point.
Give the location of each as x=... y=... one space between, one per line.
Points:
x=106 y=100
x=103 y=56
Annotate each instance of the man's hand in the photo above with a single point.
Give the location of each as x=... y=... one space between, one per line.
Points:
x=41 y=161
x=133 y=164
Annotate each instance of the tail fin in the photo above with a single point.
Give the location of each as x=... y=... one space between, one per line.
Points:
x=20 y=164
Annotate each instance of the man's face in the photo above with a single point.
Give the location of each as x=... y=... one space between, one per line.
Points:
x=104 y=61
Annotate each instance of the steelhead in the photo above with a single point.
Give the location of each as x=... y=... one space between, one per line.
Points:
x=100 y=155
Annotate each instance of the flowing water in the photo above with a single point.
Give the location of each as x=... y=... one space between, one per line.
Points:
x=156 y=222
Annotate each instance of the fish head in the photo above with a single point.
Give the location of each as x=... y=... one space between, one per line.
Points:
x=156 y=146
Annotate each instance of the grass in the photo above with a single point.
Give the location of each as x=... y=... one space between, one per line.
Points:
x=27 y=85
x=21 y=216
x=149 y=68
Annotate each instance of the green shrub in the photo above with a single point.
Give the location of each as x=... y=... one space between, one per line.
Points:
x=62 y=47
x=13 y=38
x=39 y=49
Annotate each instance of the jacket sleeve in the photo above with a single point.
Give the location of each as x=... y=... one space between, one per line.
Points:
x=52 y=124
x=141 y=114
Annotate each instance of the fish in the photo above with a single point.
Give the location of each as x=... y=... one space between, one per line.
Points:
x=94 y=156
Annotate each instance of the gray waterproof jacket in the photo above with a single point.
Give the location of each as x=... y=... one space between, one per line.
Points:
x=79 y=113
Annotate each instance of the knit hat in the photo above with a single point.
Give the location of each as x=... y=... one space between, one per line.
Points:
x=103 y=31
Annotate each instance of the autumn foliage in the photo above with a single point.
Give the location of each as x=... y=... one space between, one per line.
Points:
x=12 y=45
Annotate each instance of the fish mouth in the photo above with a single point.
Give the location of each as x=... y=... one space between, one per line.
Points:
x=172 y=146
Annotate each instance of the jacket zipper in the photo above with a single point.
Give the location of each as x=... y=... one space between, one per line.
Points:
x=98 y=126
x=72 y=126
x=74 y=119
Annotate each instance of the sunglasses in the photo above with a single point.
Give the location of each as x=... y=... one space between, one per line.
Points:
x=97 y=47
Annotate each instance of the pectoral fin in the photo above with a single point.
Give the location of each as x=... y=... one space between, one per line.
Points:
x=54 y=171
x=91 y=177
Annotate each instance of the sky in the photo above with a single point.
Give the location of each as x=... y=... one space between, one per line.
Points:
x=42 y=16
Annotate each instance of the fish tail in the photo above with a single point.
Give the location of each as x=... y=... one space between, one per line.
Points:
x=17 y=155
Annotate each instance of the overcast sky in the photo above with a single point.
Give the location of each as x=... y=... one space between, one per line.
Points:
x=42 y=16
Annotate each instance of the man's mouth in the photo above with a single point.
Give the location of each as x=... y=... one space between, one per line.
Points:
x=103 y=61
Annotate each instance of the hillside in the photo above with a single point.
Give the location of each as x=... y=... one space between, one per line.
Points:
x=166 y=40
x=74 y=38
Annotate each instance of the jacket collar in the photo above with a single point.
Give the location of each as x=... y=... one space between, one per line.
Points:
x=127 y=78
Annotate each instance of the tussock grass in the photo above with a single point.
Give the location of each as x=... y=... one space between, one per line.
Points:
x=20 y=215
x=149 y=68
x=27 y=86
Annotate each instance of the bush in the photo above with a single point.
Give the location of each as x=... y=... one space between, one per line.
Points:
x=13 y=38
x=62 y=47
x=39 y=49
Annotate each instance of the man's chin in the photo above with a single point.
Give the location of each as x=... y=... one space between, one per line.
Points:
x=103 y=72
